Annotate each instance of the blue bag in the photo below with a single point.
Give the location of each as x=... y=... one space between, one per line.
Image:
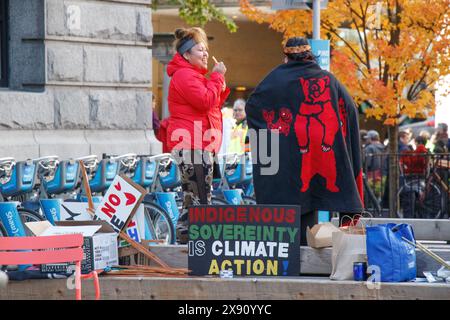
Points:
x=387 y=250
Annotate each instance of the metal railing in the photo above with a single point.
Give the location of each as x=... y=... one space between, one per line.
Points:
x=423 y=186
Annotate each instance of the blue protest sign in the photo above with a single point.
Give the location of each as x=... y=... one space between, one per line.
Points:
x=321 y=49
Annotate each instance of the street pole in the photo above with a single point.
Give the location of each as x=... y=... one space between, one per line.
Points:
x=316 y=19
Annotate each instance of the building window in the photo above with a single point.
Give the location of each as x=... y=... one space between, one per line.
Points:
x=3 y=43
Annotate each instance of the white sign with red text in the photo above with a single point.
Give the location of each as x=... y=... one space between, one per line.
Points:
x=136 y=227
x=120 y=202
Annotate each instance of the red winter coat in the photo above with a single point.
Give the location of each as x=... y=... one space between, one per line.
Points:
x=194 y=98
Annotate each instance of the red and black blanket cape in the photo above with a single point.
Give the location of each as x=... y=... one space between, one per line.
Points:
x=316 y=121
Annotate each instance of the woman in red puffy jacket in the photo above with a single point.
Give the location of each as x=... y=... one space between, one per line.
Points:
x=194 y=132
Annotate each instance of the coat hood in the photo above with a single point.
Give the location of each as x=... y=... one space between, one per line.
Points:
x=178 y=62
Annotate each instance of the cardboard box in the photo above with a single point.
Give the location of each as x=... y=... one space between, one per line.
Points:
x=320 y=235
x=100 y=243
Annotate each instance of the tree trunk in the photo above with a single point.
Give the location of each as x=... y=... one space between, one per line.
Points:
x=393 y=170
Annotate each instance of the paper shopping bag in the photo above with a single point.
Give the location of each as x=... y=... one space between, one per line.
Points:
x=348 y=248
x=320 y=235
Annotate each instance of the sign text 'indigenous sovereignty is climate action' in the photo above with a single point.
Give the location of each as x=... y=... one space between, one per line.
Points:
x=250 y=240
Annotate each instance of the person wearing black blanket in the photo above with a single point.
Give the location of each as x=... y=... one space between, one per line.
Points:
x=315 y=122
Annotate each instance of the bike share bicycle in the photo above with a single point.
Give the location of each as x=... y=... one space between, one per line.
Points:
x=101 y=174
x=235 y=186
x=420 y=193
x=160 y=207
x=17 y=180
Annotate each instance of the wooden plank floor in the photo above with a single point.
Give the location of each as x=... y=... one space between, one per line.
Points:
x=293 y=288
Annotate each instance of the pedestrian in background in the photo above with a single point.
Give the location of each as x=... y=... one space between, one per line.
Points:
x=194 y=132
x=404 y=138
x=239 y=138
x=442 y=143
x=373 y=152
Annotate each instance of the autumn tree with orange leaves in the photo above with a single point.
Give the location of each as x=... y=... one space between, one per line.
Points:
x=389 y=53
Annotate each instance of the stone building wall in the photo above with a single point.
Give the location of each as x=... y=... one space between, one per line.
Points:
x=80 y=78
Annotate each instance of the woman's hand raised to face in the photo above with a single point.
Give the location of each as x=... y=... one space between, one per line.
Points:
x=219 y=67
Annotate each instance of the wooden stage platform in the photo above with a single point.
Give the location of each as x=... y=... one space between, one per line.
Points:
x=267 y=288
x=313 y=282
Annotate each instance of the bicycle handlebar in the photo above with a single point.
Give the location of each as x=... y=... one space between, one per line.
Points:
x=89 y=162
x=123 y=156
x=91 y=157
x=6 y=166
x=128 y=160
x=160 y=157
x=47 y=162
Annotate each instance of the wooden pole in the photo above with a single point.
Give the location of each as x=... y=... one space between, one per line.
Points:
x=139 y=247
x=87 y=189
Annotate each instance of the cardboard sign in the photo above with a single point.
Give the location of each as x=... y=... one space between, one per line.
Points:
x=136 y=228
x=120 y=203
x=74 y=211
x=250 y=240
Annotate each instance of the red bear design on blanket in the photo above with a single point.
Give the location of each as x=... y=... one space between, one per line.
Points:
x=316 y=126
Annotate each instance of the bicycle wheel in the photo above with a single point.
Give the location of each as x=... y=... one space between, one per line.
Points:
x=430 y=202
x=249 y=200
x=159 y=223
x=27 y=215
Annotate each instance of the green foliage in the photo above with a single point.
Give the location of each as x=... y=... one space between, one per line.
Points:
x=199 y=12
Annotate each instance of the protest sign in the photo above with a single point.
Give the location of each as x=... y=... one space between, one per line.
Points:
x=250 y=240
x=120 y=202
x=74 y=211
x=136 y=227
